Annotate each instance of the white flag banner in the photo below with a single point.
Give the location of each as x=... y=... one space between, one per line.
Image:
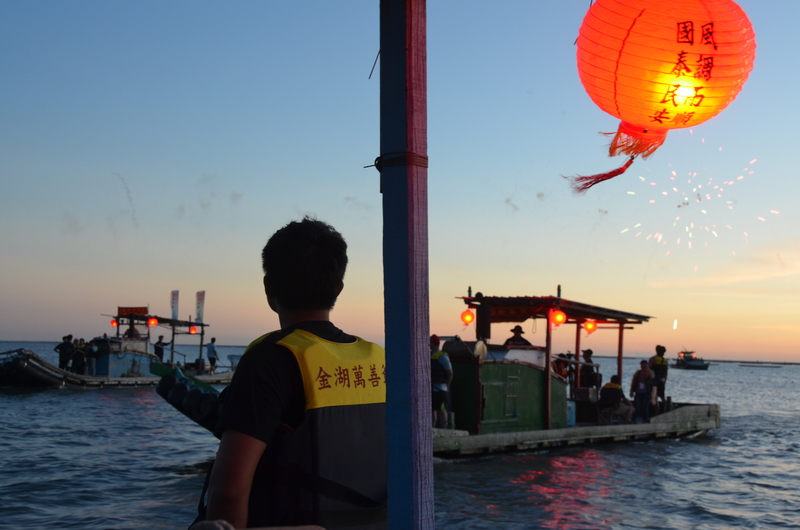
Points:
x=173 y=304
x=201 y=302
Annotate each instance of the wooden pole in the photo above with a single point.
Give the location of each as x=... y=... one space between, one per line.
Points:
x=619 y=350
x=403 y=165
x=548 y=344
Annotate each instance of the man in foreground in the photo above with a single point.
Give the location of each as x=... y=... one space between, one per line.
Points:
x=302 y=429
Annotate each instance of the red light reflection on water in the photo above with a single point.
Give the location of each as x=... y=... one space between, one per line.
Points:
x=564 y=486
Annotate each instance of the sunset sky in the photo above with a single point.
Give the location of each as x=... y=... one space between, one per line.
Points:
x=147 y=147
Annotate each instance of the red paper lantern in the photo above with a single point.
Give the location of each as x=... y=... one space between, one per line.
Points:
x=659 y=65
x=590 y=326
x=467 y=317
x=557 y=317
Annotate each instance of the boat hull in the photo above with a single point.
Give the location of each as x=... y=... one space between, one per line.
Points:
x=691 y=366
x=25 y=369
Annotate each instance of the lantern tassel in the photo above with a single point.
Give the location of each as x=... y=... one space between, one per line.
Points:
x=580 y=183
x=635 y=141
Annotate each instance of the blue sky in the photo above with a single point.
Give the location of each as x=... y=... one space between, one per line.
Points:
x=150 y=146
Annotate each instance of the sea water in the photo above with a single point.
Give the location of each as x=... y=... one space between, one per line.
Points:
x=124 y=458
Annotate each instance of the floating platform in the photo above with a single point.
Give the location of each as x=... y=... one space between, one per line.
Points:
x=686 y=420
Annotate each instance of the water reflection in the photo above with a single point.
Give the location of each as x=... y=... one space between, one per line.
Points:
x=564 y=485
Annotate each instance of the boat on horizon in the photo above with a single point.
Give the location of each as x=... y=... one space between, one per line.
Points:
x=688 y=361
x=125 y=360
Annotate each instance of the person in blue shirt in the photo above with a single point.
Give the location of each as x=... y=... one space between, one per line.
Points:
x=211 y=353
x=441 y=377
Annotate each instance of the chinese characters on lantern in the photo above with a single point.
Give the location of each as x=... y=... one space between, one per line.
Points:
x=687 y=95
x=352 y=377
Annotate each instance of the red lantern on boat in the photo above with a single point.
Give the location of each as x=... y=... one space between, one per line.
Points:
x=660 y=65
x=151 y=322
x=467 y=317
x=114 y=323
x=193 y=330
x=557 y=317
x=590 y=326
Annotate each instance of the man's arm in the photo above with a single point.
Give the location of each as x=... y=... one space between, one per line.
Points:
x=232 y=477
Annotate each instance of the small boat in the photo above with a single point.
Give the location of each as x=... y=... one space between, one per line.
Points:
x=688 y=361
x=122 y=361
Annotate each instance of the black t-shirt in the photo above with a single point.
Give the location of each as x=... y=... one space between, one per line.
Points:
x=267 y=387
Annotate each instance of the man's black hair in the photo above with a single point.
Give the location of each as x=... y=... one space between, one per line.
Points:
x=305 y=262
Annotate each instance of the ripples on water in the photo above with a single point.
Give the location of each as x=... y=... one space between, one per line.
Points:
x=743 y=475
x=125 y=459
x=98 y=459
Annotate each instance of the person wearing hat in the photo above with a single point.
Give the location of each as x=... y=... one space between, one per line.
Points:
x=588 y=375
x=516 y=339
x=441 y=377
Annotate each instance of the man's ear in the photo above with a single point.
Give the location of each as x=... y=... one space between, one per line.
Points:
x=270 y=292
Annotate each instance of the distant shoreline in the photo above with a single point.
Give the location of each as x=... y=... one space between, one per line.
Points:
x=712 y=361
x=57 y=341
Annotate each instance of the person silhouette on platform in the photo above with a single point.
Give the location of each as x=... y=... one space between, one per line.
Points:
x=516 y=339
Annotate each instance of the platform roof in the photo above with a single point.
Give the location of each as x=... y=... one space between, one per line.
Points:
x=521 y=308
x=162 y=321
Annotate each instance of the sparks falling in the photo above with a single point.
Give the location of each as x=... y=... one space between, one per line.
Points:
x=705 y=209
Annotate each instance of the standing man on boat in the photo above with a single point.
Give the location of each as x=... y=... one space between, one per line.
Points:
x=516 y=339
x=64 y=353
x=91 y=358
x=158 y=348
x=641 y=386
x=78 y=357
x=441 y=377
x=658 y=364
x=589 y=378
x=302 y=428
x=211 y=353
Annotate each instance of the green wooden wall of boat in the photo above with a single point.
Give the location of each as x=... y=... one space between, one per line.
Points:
x=504 y=396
